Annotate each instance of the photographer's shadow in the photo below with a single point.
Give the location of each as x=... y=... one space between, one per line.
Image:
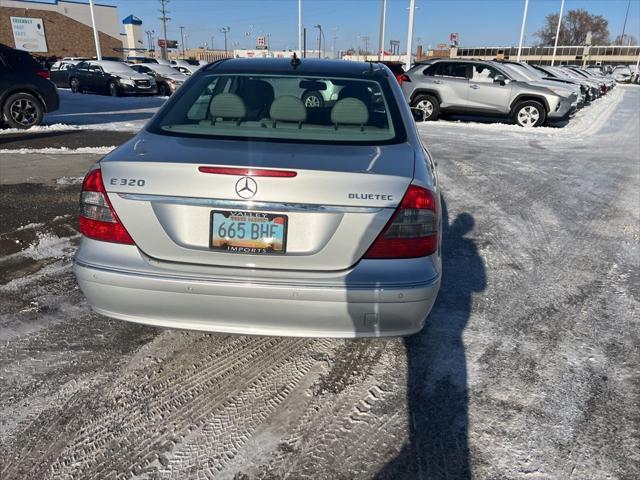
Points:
x=437 y=373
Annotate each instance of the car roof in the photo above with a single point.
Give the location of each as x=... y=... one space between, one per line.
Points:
x=307 y=66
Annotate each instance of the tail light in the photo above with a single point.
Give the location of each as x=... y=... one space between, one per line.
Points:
x=44 y=74
x=98 y=220
x=401 y=77
x=412 y=231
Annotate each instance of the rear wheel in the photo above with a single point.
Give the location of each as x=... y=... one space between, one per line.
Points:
x=529 y=114
x=112 y=87
x=163 y=90
x=428 y=105
x=23 y=110
x=74 y=83
x=313 y=100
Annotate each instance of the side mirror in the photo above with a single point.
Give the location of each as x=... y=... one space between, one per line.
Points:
x=501 y=79
x=418 y=114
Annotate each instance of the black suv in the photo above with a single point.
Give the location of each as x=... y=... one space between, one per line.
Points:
x=25 y=90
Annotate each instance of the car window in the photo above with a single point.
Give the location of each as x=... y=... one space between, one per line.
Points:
x=271 y=107
x=82 y=66
x=95 y=69
x=446 y=69
x=483 y=73
x=18 y=60
x=431 y=70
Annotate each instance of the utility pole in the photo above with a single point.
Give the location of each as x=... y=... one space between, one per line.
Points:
x=164 y=20
x=383 y=20
x=333 y=45
x=182 y=38
x=524 y=22
x=412 y=8
x=555 y=45
x=624 y=27
x=224 y=31
x=212 y=37
x=304 y=43
x=366 y=39
x=300 y=26
x=96 y=36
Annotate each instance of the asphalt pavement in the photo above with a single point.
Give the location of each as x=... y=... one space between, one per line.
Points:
x=527 y=368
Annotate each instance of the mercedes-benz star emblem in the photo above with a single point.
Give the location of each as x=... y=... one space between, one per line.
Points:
x=246 y=187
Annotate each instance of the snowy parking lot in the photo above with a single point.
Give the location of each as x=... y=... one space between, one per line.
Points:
x=527 y=368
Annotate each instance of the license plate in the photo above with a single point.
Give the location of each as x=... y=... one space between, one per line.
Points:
x=248 y=232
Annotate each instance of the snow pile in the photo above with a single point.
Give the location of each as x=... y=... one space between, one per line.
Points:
x=69 y=180
x=586 y=121
x=53 y=151
x=56 y=127
x=48 y=246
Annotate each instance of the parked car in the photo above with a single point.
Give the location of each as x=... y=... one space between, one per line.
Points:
x=59 y=72
x=111 y=78
x=522 y=74
x=167 y=79
x=602 y=85
x=243 y=220
x=592 y=87
x=186 y=67
x=26 y=93
x=537 y=75
x=397 y=69
x=480 y=87
x=622 y=74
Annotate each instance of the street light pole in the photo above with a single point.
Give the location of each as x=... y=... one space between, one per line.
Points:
x=555 y=46
x=624 y=27
x=182 y=38
x=412 y=8
x=300 y=27
x=224 y=31
x=524 y=22
x=320 y=36
x=96 y=36
x=383 y=20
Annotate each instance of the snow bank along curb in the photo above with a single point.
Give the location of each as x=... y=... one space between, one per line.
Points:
x=65 y=150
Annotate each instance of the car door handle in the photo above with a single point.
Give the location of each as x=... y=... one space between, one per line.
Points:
x=475 y=87
x=437 y=81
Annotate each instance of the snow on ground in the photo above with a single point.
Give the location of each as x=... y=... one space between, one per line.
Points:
x=48 y=150
x=586 y=121
x=101 y=112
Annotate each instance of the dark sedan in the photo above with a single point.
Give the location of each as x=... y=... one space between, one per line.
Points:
x=111 y=78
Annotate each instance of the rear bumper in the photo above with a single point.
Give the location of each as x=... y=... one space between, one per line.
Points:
x=258 y=306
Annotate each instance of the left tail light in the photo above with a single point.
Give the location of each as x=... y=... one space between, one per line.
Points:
x=97 y=219
x=401 y=77
x=413 y=228
x=44 y=74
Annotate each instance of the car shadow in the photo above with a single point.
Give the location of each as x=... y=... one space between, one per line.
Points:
x=437 y=390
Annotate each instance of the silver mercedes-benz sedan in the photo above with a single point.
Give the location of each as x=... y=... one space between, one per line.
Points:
x=239 y=210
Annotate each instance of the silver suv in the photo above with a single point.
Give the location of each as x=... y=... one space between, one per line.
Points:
x=477 y=87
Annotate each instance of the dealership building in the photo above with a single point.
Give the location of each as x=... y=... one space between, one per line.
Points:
x=579 y=55
x=63 y=28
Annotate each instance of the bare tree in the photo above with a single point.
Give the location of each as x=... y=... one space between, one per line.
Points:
x=575 y=26
x=626 y=39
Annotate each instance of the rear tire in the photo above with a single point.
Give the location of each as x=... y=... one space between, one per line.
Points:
x=23 y=110
x=74 y=84
x=313 y=100
x=529 y=114
x=112 y=88
x=163 y=90
x=429 y=105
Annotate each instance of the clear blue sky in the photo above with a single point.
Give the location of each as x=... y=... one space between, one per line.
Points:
x=478 y=22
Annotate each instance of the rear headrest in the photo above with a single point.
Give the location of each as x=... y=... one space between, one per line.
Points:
x=288 y=108
x=349 y=111
x=228 y=105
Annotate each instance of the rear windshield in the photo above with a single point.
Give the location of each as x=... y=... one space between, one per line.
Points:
x=283 y=108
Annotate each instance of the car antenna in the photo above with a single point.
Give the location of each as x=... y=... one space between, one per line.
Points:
x=295 y=61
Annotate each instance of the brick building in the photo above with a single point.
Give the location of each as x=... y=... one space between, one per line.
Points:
x=67 y=27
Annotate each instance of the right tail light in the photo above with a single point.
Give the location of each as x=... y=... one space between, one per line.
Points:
x=412 y=231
